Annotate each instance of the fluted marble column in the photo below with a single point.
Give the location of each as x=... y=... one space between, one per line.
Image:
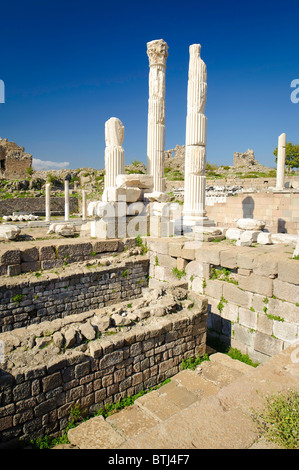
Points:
x=196 y=140
x=66 y=201
x=84 y=205
x=281 y=158
x=157 y=52
x=114 y=153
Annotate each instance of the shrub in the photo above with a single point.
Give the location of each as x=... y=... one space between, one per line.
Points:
x=279 y=421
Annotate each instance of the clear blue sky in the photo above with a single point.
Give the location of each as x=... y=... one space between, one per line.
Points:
x=68 y=66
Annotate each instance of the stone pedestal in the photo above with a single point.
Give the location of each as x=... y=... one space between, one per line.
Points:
x=281 y=157
x=157 y=52
x=196 y=136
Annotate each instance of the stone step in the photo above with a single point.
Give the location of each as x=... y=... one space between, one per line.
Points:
x=159 y=407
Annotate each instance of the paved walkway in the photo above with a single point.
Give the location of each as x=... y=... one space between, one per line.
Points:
x=209 y=408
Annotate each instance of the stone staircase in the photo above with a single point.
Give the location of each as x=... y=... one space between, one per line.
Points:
x=209 y=408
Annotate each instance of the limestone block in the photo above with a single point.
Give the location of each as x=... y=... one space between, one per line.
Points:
x=159 y=246
x=243 y=335
x=161 y=228
x=58 y=339
x=9 y=232
x=157 y=197
x=285 y=331
x=233 y=233
x=288 y=271
x=285 y=291
x=101 y=228
x=122 y=194
x=264 y=238
x=189 y=250
x=267 y=344
x=195 y=268
x=106 y=209
x=228 y=258
x=85 y=230
x=135 y=181
x=135 y=208
x=167 y=261
x=265 y=265
x=264 y=324
x=257 y=284
x=214 y=288
x=250 y=224
x=91 y=208
x=247 y=238
x=233 y=294
x=296 y=251
x=88 y=331
x=181 y=264
x=63 y=229
x=246 y=260
x=248 y=318
x=284 y=238
x=209 y=254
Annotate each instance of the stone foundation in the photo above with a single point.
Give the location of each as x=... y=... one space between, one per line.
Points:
x=37 y=395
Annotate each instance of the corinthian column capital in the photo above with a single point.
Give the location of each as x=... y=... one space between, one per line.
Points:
x=157 y=52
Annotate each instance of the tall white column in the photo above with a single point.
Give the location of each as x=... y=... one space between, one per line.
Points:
x=194 y=211
x=281 y=158
x=114 y=153
x=84 y=205
x=47 y=202
x=157 y=52
x=66 y=201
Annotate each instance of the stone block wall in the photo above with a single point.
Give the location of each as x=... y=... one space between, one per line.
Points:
x=24 y=302
x=253 y=296
x=41 y=255
x=280 y=211
x=37 y=399
x=36 y=205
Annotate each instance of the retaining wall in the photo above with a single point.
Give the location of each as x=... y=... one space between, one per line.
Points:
x=256 y=309
x=36 y=400
x=24 y=302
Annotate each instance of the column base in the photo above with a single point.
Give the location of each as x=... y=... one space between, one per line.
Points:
x=199 y=221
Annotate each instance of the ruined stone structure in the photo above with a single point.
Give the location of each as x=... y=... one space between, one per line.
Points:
x=244 y=159
x=14 y=161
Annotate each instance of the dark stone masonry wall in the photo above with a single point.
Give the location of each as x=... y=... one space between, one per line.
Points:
x=35 y=205
x=36 y=400
x=25 y=302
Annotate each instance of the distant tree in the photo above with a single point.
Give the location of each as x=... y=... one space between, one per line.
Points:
x=292 y=155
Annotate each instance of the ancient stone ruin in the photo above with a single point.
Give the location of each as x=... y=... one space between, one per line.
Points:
x=113 y=303
x=14 y=161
